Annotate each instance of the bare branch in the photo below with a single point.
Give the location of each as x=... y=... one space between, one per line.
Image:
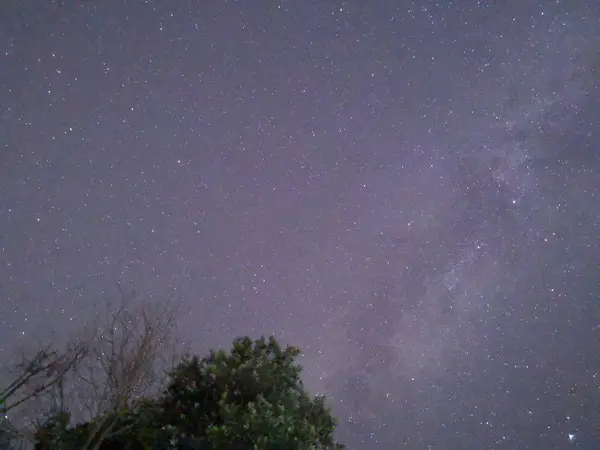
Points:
x=135 y=347
x=37 y=374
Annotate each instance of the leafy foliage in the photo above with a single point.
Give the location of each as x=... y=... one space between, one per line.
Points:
x=132 y=429
x=252 y=396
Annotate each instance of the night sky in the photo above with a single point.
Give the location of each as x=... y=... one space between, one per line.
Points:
x=408 y=191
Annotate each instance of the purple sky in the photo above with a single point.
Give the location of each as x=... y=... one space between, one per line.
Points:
x=410 y=192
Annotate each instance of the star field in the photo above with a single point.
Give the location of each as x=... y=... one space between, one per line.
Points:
x=408 y=191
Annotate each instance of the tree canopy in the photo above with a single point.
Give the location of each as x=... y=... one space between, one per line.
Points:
x=251 y=397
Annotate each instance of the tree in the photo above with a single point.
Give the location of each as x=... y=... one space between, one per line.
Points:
x=250 y=398
x=132 y=429
x=133 y=346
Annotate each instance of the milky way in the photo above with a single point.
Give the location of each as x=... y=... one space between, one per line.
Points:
x=409 y=193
